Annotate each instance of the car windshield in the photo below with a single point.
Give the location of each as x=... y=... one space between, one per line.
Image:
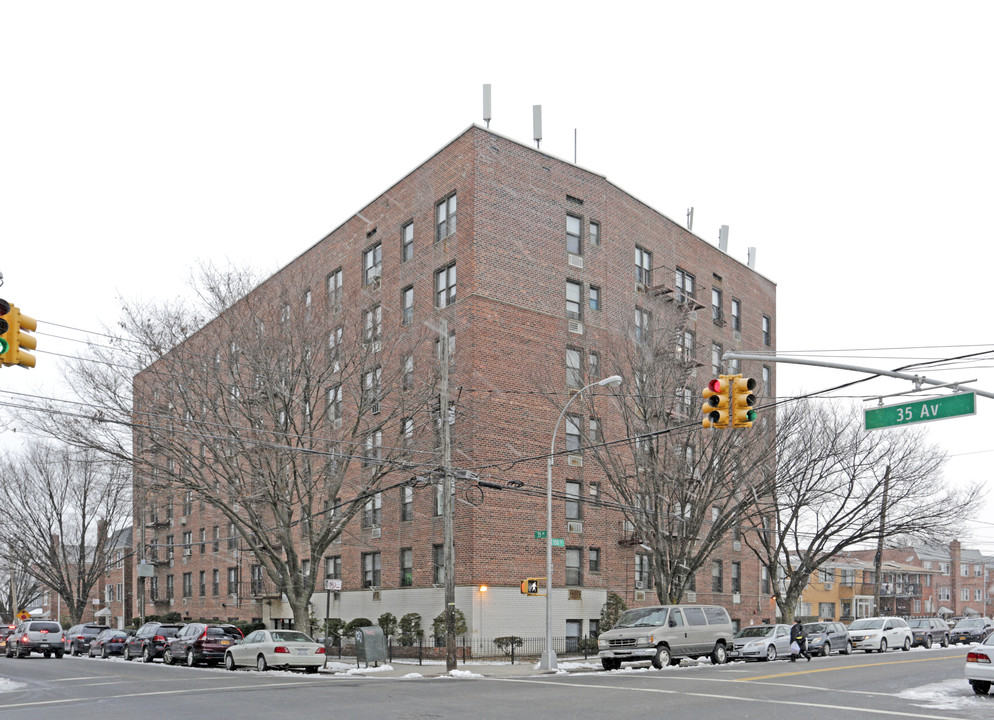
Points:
x=970 y=623
x=642 y=617
x=919 y=623
x=814 y=627
x=755 y=631
x=290 y=636
x=867 y=624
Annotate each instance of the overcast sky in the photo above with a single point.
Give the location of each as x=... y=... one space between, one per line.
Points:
x=848 y=142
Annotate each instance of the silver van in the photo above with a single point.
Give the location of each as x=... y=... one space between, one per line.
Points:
x=664 y=634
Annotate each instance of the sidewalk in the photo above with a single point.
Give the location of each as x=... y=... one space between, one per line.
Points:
x=406 y=669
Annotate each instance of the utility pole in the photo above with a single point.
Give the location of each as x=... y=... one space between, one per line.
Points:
x=879 y=557
x=448 y=548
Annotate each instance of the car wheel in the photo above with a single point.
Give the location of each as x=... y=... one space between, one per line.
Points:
x=167 y=656
x=928 y=642
x=826 y=648
x=58 y=654
x=771 y=653
x=229 y=662
x=981 y=687
x=662 y=657
x=848 y=649
x=103 y=651
x=147 y=654
x=126 y=654
x=907 y=644
x=883 y=645
x=47 y=654
x=74 y=650
x=191 y=661
x=719 y=656
x=945 y=641
x=260 y=663
x=610 y=663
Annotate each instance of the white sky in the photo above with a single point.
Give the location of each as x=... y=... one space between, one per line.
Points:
x=849 y=142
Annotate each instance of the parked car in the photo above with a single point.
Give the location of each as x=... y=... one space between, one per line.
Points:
x=5 y=632
x=880 y=634
x=664 y=634
x=40 y=636
x=824 y=637
x=276 y=648
x=926 y=631
x=77 y=639
x=980 y=666
x=109 y=642
x=150 y=639
x=761 y=642
x=200 y=643
x=971 y=630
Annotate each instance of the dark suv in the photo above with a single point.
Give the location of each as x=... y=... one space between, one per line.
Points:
x=971 y=630
x=200 y=643
x=927 y=631
x=40 y=636
x=78 y=638
x=5 y=632
x=149 y=641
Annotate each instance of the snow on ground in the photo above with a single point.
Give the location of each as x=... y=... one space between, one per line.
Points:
x=948 y=695
x=8 y=685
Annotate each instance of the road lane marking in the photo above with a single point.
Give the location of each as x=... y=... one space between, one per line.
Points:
x=808 y=671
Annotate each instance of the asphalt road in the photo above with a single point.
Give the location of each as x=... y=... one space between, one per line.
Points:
x=918 y=684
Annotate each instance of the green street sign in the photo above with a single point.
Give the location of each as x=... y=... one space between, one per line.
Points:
x=921 y=411
x=541 y=534
x=558 y=542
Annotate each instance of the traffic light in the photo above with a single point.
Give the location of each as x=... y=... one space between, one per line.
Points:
x=530 y=586
x=716 y=402
x=742 y=401
x=14 y=342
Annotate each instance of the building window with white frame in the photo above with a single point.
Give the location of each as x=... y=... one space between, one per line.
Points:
x=372 y=512
x=736 y=315
x=643 y=325
x=593 y=365
x=407 y=305
x=717 y=312
x=684 y=285
x=573 y=500
x=595 y=233
x=594 y=433
x=445 y=286
x=643 y=574
x=335 y=288
x=373 y=323
x=371 y=570
x=335 y=405
x=438 y=564
x=716 y=352
x=573 y=433
x=574 y=296
x=574 y=566
x=407 y=242
x=594 y=554
x=574 y=375
x=767 y=330
x=406 y=567
x=643 y=266
x=445 y=218
x=372 y=264
x=406 y=503
x=574 y=225
x=374 y=449
x=594 y=297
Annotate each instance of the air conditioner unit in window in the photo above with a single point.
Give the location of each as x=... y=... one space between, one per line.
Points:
x=574 y=460
x=639 y=595
x=828 y=586
x=736 y=598
x=338 y=423
x=639 y=584
x=574 y=527
x=576 y=327
x=575 y=260
x=374 y=272
x=182 y=520
x=691 y=597
x=184 y=601
x=376 y=532
x=736 y=545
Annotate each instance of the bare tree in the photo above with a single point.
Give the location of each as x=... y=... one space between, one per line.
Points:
x=19 y=588
x=682 y=488
x=63 y=507
x=840 y=487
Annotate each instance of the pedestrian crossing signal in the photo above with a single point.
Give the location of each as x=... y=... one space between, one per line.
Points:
x=530 y=586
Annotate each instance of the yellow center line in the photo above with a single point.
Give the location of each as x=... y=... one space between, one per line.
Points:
x=845 y=667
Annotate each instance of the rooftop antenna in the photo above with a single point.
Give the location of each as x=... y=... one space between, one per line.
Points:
x=751 y=255
x=690 y=218
x=486 y=105
x=723 y=238
x=537 y=125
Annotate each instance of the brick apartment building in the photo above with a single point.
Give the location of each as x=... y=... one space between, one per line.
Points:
x=554 y=264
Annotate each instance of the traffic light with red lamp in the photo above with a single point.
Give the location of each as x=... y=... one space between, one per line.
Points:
x=743 y=400
x=716 y=403
x=14 y=342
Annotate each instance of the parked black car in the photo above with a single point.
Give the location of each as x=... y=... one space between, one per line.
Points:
x=77 y=639
x=927 y=631
x=200 y=643
x=150 y=639
x=971 y=630
x=109 y=642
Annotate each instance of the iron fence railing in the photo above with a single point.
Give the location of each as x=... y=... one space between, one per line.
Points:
x=512 y=649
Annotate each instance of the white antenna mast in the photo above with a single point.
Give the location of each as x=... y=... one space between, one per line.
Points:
x=537 y=124
x=486 y=105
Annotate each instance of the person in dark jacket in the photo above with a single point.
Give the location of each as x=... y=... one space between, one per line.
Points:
x=797 y=636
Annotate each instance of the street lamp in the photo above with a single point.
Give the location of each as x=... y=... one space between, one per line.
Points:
x=548 y=660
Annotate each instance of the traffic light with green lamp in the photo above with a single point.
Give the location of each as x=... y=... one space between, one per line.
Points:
x=743 y=400
x=716 y=403
x=14 y=342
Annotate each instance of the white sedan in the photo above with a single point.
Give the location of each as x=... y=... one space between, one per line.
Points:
x=980 y=666
x=276 y=649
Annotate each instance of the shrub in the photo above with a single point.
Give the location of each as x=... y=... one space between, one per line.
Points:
x=505 y=643
x=611 y=612
x=388 y=621
x=410 y=628
x=350 y=627
x=438 y=625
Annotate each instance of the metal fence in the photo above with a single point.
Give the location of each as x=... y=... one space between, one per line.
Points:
x=511 y=649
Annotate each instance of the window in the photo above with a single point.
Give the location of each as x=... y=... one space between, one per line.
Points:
x=765 y=580
x=978 y=570
x=685 y=346
x=574 y=377
x=978 y=595
x=595 y=233
x=716 y=353
x=373 y=323
x=452 y=349
x=594 y=433
x=372 y=513
x=438 y=564
x=593 y=365
x=716 y=312
x=445 y=218
x=407 y=503
x=736 y=315
x=215 y=582
x=203 y=541
x=335 y=288
x=188 y=502
x=187 y=542
x=643 y=322
x=572 y=500
x=407 y=242
x=766 y=379
x=826 y=575
x=333 y=567
x=684 y=285
x=407 y=378
x=594 y=295
x=232 y=537
x=643 y=266
x=407 y=305
x=188 y=584
x=572 y=433
x=826 y=610
x=335 y=347
x=370 y=569
x=216 y=545
x=574 y=568
x=406 y=567
x=407 y=432
x=767 y=330
x=573 y=229
x=944 y=593
x=256 y=579
x=736 y=577
x=574 y=295
x=372 y=264
x=169 y=547
x=170 y=587
x=848 y=578
x=643 y=577
x=202 y=583
x=964 y=594
x=335 y=405
x=717 y=581
x=594 y=556
x=374 y=449
x=445 y=286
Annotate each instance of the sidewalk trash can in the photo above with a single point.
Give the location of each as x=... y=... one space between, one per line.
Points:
x=370 y=645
